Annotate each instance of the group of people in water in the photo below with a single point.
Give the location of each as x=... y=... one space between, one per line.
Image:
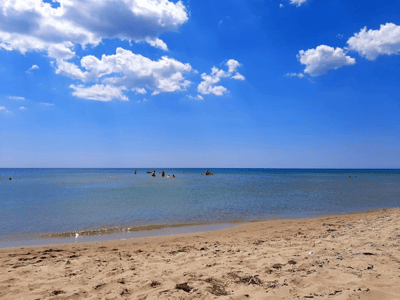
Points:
x=162 y=174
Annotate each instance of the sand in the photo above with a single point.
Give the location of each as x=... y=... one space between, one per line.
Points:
x=353 y=256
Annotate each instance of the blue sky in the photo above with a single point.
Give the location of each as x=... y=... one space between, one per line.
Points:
x=251 y=83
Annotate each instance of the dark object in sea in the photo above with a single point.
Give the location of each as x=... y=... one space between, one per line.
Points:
x=208 y=173
x=163 y=174
x=10 y=178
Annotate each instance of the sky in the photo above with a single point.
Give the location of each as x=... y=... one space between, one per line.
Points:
x=211 y=83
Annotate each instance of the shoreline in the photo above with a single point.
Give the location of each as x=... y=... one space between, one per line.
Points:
x=121 y=232
x=331 y=257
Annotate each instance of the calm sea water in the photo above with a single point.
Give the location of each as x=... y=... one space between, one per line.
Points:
x=38 y=201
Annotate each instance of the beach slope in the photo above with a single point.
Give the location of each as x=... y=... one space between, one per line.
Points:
x=353 y=256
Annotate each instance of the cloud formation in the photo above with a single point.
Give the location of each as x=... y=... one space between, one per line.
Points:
x=16 y=98
x=207 y=86
x=298 y=2
x=373 y=43
x=2 y=108
x=324 y=58
x=99 y=92
x=125 y=71
x=27 y=25
x=198 y=97
x=299 y=75
x=34 y=67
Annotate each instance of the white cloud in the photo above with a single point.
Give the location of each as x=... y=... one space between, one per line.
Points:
x=47 y=104
x=34 y=67
x=373 y=43
x=2 y=108
x=127 y=70
x=323 y=58
x=207 y=86
x=157 y=43
x=140 y=90
x=99 y=92
x=238 y=76
x=71 y=70
x=281 y=5
x=299 y=75
x=27 y=25
x=233 y=65
x=198 y=97
x=298 y=2
x=16 y=98
x=6 y=47
x=22 y=107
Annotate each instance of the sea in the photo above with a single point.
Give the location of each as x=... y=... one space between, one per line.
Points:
x=37 y=203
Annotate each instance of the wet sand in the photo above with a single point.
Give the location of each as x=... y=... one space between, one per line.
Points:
x=353 y=256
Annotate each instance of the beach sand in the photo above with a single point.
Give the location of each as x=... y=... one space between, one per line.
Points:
x=352 y=256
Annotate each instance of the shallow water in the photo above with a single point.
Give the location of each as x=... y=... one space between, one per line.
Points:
x=42 y=201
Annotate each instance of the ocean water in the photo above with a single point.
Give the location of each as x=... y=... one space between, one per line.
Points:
x=42 y=201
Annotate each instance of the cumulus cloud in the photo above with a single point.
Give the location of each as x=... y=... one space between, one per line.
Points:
x=299 y=75
x=16 y=98
x=232 y=65
x=34 y=67
x=22 y=107
x=324 y=58
x=373 y=43
x=281 y=5
x=126 y=71
x=207 y=86
x=238 y=76
x=140 y=90
x=2 y=108
x=157 y=43
x=99 y=92
x=27 y=25
x=298 y=2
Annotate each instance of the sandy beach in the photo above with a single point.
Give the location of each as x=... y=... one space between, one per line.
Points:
x=352 y=256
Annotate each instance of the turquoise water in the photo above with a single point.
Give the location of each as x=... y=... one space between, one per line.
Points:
x=38 y=201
